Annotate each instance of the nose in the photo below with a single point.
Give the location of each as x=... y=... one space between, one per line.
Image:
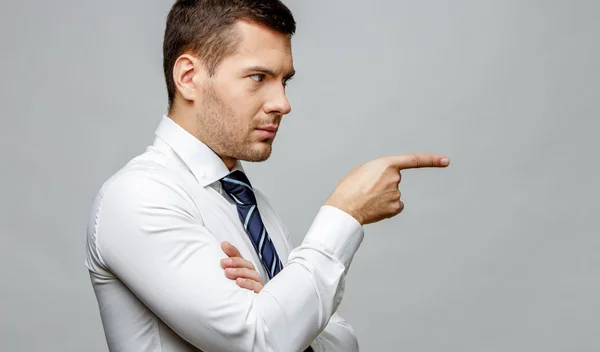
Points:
x=277 y=103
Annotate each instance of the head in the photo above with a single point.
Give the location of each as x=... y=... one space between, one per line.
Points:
x=226 y=66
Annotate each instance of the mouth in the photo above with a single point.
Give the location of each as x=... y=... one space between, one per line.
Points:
x=268 y=132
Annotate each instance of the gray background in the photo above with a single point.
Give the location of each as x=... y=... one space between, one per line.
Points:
x=497 y=253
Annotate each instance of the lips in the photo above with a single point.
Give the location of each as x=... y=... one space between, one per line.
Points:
x=268 y=128
x=267 y=132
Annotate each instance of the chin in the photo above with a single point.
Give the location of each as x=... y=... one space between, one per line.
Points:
x=258 y=153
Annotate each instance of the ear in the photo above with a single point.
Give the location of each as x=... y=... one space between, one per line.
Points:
x=188 y=73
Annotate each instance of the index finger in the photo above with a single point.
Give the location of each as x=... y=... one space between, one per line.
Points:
x=418 y=160
x=230 y=249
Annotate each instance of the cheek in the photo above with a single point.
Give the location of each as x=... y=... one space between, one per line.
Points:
x=247 y=105
x=243 y=99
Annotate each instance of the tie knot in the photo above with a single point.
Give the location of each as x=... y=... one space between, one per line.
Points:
x=238 y=187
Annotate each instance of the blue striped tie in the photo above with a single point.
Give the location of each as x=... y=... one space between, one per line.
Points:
x=238 y=187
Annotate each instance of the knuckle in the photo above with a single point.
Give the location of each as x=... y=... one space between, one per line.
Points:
x=397 y=207
x=415 y=161
x=385 y=163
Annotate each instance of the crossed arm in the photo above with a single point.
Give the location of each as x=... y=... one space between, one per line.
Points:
x=338 y=335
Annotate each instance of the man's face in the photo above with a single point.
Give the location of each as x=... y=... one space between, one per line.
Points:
x=243 y=102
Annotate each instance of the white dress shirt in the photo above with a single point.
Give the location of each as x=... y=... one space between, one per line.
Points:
x=154 y=250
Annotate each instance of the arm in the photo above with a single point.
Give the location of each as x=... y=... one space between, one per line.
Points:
x=338 y=336
x=152 y=238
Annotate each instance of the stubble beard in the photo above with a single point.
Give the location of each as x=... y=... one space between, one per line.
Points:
x=228 y=135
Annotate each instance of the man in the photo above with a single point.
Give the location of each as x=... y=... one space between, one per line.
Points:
x=184 y=253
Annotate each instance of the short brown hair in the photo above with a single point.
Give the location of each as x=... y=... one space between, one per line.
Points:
x=205 y=28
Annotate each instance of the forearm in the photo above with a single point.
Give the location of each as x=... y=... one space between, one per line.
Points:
x=317 y=271
x=338 y=336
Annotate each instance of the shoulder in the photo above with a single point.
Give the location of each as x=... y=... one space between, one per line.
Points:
x=150 y=178
x=136 y=193
x=145 y=194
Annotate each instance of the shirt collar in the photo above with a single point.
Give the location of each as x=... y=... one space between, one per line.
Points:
x=205 y=164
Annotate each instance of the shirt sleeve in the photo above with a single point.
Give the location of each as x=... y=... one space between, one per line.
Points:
x=151 y=236
x=338 y=336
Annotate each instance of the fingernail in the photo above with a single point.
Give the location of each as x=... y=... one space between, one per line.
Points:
x=445 y=162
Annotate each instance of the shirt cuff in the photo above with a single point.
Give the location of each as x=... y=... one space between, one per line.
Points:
x=337 y=232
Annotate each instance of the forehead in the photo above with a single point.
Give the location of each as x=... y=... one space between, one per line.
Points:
x=260 y=45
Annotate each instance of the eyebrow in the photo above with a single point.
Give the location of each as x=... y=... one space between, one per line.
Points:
x=270 y=72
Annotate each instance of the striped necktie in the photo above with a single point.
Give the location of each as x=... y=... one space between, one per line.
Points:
x=238 y=187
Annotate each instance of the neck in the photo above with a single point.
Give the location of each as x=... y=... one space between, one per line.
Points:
x=229 y=162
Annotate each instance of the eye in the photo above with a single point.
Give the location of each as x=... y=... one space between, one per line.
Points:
x=258 y=77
